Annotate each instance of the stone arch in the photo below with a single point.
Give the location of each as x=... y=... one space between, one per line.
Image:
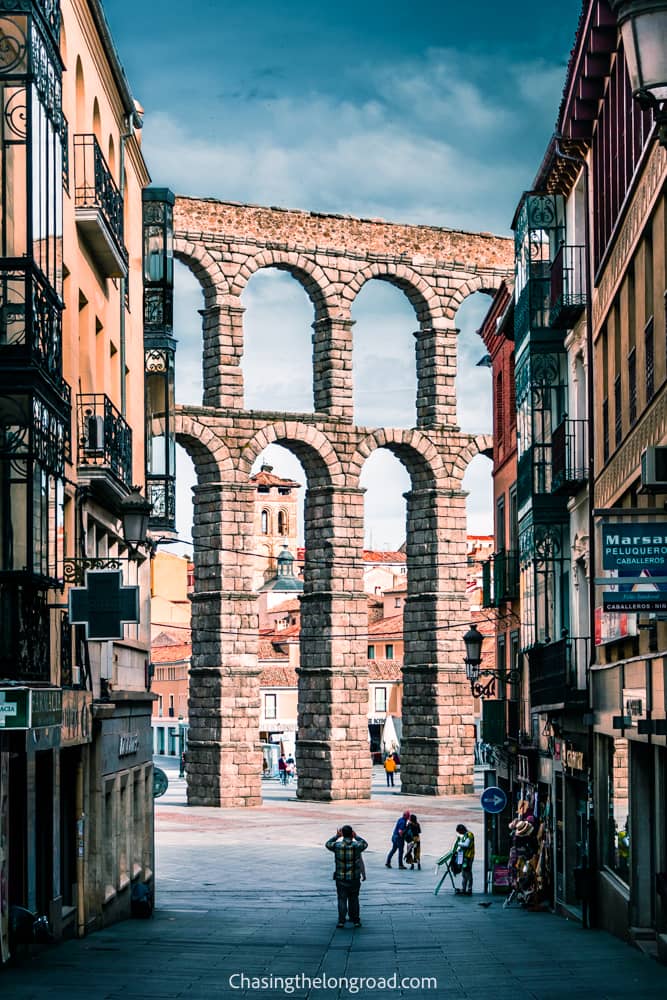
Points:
x=488 y=283
x=205 y=268
x=310 y=445
x=480 y=444
x=421 y=294
x=310 y=276
x=412 y=448
x=210 y=455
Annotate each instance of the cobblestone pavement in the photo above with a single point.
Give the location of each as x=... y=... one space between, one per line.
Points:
x=248 y=893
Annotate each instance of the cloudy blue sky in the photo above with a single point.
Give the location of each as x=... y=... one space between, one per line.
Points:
x=435 y=113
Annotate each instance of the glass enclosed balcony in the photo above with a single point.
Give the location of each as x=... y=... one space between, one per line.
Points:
x=568 y=285
x=99 y=208
x=554 y=669
x=104 y=440
x=569 y=457
x=500 y=578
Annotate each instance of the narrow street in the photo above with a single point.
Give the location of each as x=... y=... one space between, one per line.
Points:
x=248 y=893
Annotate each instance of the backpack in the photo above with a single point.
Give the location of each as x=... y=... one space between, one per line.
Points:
x=408 y=836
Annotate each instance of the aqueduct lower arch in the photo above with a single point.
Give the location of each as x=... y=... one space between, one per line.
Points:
x=332 y=256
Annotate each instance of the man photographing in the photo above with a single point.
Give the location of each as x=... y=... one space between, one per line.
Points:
x=347 y=848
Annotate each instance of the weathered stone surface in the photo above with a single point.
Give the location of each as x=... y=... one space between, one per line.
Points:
x=332 y=257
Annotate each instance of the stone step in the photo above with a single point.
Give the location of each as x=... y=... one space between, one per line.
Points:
x=642 y=934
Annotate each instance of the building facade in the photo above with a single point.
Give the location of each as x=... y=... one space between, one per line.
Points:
x=590 y=375
x=76 y=827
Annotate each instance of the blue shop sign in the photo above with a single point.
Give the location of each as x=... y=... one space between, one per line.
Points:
x=635 y=547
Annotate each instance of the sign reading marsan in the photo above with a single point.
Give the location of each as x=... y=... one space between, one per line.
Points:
x=634 y=546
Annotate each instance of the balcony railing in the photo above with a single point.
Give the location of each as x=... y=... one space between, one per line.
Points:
x=99 y=207
x=104 y=438
x=30 y=326
x=500 y=578
x=554 y=671
x=569 y=457
x=568 y=285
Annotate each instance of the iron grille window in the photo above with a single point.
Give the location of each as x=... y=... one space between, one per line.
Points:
x=605 y=430
x=618 y=416
x=632 y=380
x=650 y=361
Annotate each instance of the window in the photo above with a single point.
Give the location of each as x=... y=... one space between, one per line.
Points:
x=617 y=847
x=389 y=651
x=171 y=705
x=160 y=706
x=618 y=415
x=371 y=652
x=650 y=361
x=380 y=699
x=270 y=706
x=397 y=602
x=265 y=522
x=605 y=430
x=632 y=380
x=282 y=522
x=500 y=425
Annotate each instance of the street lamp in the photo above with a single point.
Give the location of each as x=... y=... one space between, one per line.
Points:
x=643 y=25
x=134 y=513
x=473 y=640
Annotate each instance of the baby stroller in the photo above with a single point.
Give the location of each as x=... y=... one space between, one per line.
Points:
x=523 y=879
x=450 y=868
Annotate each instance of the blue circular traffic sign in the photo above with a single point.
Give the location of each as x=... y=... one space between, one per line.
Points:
x=493 y=799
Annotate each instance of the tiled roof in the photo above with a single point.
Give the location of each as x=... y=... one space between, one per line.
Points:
x=387 y=626
x=384 y=670
x=171 y=654
x=164 y=639
x=373 y=556
x=278 y=677
x=290 y=604
x=268 y=651
x=268 y=479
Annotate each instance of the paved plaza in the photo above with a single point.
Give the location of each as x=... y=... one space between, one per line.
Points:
x=246 y=905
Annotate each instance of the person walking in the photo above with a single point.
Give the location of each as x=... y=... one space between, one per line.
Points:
x=282 y=770
x=464 y=854
x=348 y=848
x=390 y=768
x=413 y=837
x=398 y=840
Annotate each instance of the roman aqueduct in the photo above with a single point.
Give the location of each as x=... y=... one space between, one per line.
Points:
x=332 y=257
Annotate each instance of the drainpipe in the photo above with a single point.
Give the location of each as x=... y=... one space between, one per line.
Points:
x=590 y=414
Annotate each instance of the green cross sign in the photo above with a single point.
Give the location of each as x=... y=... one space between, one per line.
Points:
x=104 y=605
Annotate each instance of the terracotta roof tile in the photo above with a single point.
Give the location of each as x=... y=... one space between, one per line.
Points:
x=268 y=479
x=374 y=556
x=171 y=654
x=392 y=625
x=384 y=670
x=278 y=677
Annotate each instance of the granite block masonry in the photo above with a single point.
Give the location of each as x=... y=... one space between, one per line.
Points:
x=332 y=257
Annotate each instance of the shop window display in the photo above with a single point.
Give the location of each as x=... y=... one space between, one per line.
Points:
x=618 y=835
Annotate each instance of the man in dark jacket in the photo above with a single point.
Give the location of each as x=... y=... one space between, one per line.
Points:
x=347 y=848
x=398 y=840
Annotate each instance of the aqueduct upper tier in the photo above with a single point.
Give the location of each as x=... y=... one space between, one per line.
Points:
x=332 y=257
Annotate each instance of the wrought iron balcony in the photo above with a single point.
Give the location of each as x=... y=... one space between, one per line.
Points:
x=104 y=439
x=554 y=669
x=568 y=285
x=30 y=328
x=500 y=578
x=99 y=208
x=569 y=457
x=161 y=492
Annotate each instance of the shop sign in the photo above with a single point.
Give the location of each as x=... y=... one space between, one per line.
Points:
x=611 y=627
x=574 y=759
x=77 y=719
x=128 y=744
x=635 y=546
x=634 y=705
x=30 y=708
x=46 y=707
